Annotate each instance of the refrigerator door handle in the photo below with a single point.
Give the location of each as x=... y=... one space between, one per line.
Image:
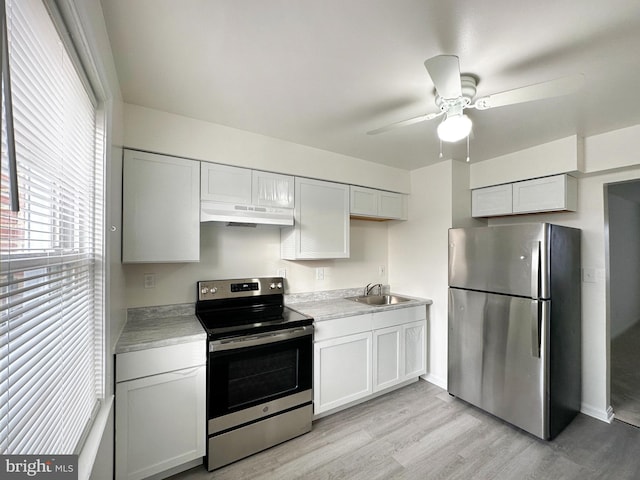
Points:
x=535 y=329
x=535 y=270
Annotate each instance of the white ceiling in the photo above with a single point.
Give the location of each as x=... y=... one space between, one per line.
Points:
x=324 y=72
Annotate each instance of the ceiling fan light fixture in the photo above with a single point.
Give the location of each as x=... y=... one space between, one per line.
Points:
x=454 y=128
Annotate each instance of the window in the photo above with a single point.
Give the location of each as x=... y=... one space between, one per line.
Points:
x=51 y=271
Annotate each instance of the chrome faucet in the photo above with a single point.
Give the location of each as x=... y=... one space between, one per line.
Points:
x=370 y=287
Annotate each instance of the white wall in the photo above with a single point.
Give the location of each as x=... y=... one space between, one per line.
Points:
x=590 y=218
x=418 y=249
x=624 y=260
x=238 y=252
x=560 y=156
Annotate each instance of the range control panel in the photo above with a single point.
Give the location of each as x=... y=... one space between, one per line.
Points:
x=239 y=287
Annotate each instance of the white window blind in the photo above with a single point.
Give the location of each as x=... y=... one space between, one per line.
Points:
x=51 y=300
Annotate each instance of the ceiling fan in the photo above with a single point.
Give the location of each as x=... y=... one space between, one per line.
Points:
x=455 y=92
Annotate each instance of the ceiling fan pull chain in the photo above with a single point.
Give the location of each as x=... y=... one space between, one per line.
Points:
x=440 y=156
x=467 y=148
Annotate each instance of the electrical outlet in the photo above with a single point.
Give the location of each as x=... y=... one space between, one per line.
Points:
x=149 y=280
x=320 y=273
x=282 y=272
x=381 y=270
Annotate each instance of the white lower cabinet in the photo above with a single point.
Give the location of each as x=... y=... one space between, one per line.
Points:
x=399 y=354
x=342 y=370
x=414 y=355
x=355 y=357
x=387 y=356
x=160 y=417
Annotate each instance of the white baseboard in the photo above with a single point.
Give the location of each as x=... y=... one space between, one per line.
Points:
x=598 y=413
x=436 y=380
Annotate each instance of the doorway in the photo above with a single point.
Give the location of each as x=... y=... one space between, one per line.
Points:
x=623 y=213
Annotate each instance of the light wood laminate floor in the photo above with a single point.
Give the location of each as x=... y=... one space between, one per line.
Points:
x=625 y=376
x=420 y=432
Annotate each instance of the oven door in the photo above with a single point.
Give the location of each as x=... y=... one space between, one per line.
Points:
x=257 y=369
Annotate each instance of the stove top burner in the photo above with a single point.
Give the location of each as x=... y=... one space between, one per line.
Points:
x=238 y=307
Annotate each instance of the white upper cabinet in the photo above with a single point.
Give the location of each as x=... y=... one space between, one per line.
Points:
x=547 y=194
x=321 y=228
x=369 y=202
x=392 y=205
x=222 y=183
x=491 y=201
x=161 y=209
x=364 y=201
x=272 y=189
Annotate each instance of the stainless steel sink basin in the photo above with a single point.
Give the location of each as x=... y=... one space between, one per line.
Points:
x=379 y=299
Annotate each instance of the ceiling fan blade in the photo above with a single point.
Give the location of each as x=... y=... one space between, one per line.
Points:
x=444 y=70
x=403 y=123
x=553 y=88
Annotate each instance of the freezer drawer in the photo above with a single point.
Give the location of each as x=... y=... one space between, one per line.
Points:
x=498 y=356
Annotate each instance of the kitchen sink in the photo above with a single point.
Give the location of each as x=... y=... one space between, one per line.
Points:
x=379 y=299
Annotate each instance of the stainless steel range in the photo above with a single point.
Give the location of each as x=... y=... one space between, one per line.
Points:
x=260 y=367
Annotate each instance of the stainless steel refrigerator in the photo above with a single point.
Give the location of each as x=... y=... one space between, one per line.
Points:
x=515 y=323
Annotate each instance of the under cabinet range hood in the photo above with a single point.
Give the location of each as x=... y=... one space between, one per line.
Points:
x=211 y=211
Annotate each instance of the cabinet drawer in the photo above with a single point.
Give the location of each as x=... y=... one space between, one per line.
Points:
x=339 y=327
x=152 y=361
x=398 y=316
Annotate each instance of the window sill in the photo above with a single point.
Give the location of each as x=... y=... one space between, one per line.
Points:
x=87 y=457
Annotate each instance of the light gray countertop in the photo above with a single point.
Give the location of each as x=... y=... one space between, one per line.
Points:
x=151 y=327
x=329 y=307
x=158 y=327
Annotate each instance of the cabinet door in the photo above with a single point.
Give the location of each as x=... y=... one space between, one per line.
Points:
x=321 y=227
x=342 y=371
x=491 y=201
x=161 y=209
x=387 y=359
x=414 y=349
x=392 y=205
x=226 y=184
x=364 y=201
x=160 y=422
x=272 y=189
x=545 y=194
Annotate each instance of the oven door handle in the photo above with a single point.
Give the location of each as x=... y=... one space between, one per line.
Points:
x=259 y=339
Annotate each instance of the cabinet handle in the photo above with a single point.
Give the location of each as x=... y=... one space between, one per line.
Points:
x=535 y=270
